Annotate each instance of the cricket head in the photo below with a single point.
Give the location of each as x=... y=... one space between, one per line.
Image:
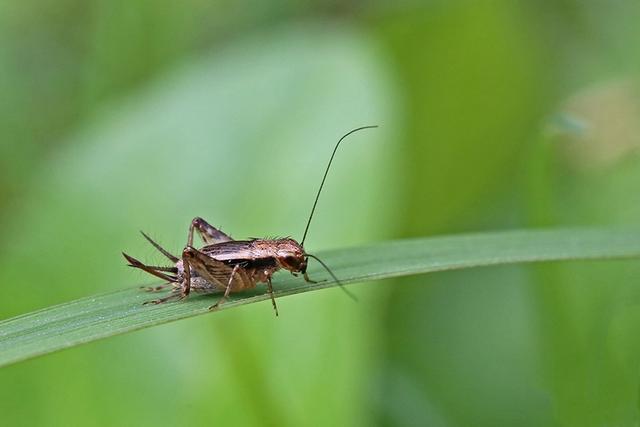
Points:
x=291 y=255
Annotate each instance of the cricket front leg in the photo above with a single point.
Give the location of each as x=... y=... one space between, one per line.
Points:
x=208 y=233
x=308 y=280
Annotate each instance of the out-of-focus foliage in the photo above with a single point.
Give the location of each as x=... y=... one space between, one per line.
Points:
x=117 y=116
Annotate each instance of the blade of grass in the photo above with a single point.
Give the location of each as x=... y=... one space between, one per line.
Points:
x=88 y=319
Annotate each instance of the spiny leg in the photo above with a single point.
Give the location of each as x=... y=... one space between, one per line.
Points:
x=220 y=275
x=307 y=279
x=180 y=291
x=227 y=290
x=273 y=300
x=186 y=268
x=184 y=288
x=208 y=233
x=175 y=295
x=212 y=270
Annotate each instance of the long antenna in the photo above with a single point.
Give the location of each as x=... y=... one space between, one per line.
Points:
x=352 y=296
x=313 y=209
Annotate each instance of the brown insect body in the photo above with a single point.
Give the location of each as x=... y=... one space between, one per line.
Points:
x=286 y=251
x=257 y=259
x=227 y=265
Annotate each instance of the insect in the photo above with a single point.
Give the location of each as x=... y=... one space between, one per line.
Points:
x=227 y=265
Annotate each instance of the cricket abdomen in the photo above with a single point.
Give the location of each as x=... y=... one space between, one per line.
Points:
x=257 y=263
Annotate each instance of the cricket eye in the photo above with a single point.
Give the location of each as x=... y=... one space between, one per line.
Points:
x=292 y=262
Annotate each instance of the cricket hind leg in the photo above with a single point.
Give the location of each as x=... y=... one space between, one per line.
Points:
x=176 y=294
x=208 y=233
x=180 y=289
x=221 y=276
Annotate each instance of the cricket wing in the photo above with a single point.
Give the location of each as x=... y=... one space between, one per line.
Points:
x=216 y=272
x=233 y=250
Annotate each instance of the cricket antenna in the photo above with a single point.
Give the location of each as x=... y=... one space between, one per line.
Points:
x=351 y=295
x=313 y=209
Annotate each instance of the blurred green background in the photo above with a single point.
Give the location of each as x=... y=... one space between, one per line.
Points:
x=119 y=115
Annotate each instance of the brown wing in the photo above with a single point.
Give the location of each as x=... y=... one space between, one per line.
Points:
x=217 y=272
x=233 y=250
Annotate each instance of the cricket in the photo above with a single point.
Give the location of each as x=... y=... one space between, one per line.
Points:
x=224 y=265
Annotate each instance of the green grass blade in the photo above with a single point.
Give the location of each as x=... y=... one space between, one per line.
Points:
x=104 y=315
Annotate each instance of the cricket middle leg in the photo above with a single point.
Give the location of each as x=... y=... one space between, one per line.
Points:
x=227 y=290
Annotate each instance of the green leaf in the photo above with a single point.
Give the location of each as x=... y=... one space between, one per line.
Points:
x=105 y=315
